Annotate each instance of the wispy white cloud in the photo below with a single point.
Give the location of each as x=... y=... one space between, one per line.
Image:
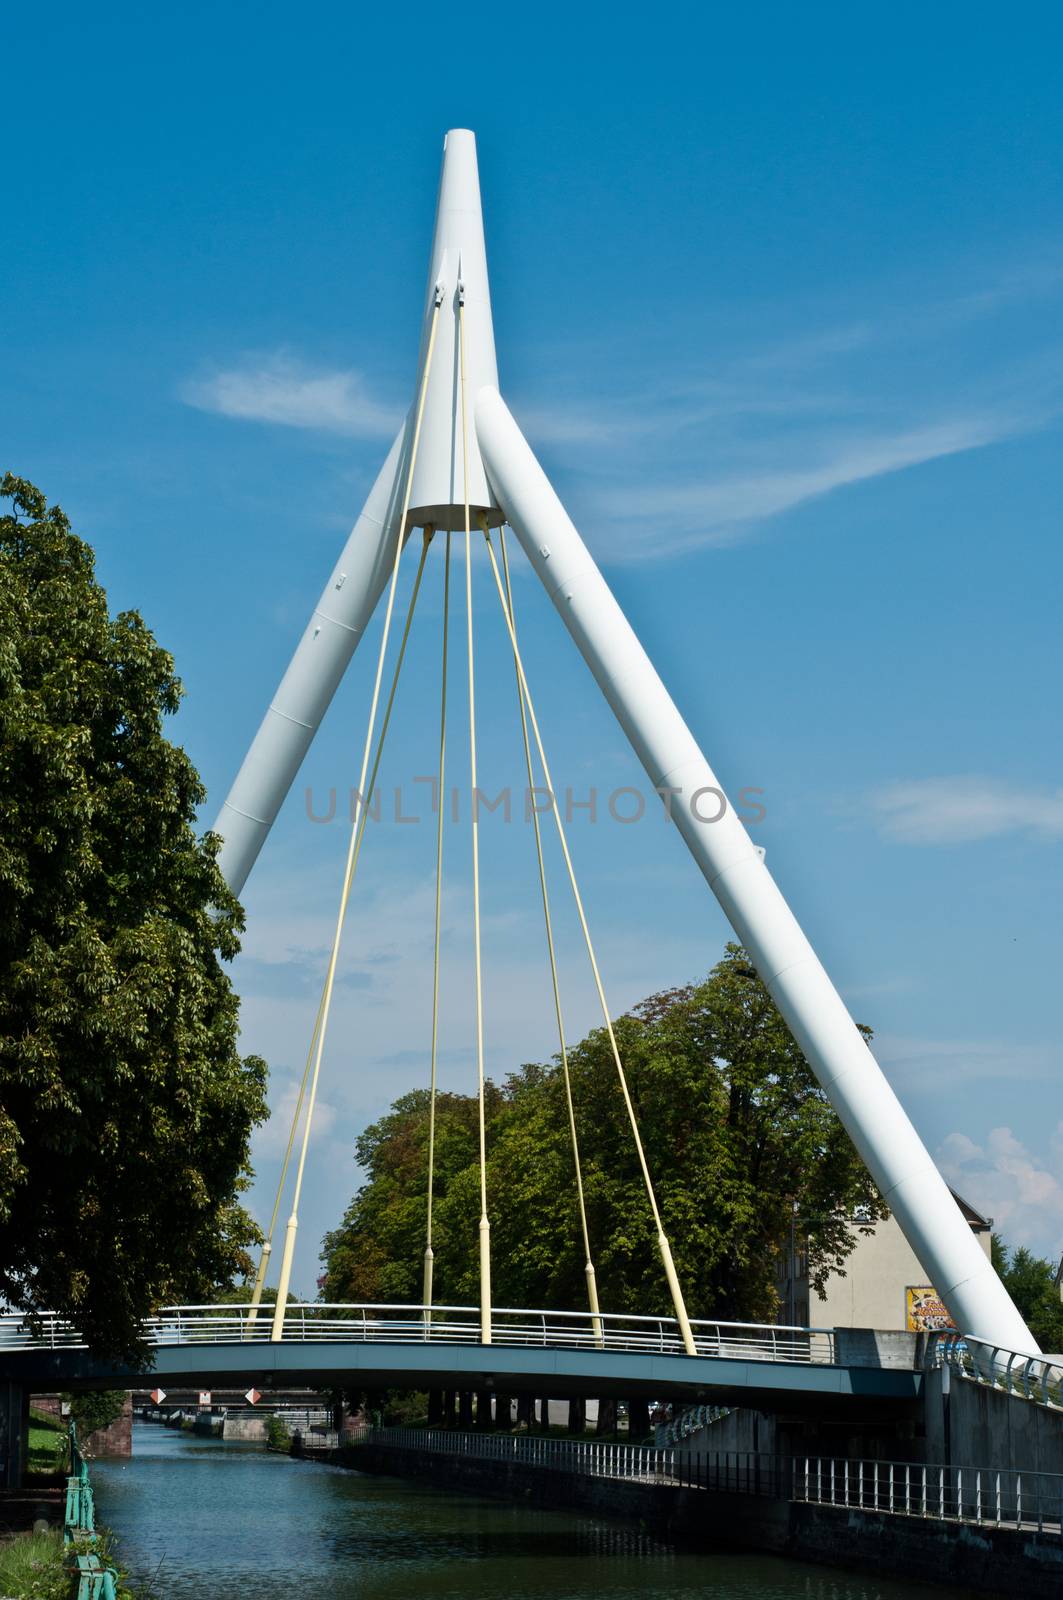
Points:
x=283 y=390
x=270 y=1140
x=927 y=1065
x=773 y=426
x=901 y=983
x=962 y=809
x=1003 y=1178
x=718 y=450
x=718 y=510
x=569 y=424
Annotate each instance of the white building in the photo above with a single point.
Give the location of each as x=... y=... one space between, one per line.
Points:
x=882 y=1285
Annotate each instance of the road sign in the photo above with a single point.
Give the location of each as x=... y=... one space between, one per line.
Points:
x=158 y=1396
x=204 y=1398
x=252 y=1397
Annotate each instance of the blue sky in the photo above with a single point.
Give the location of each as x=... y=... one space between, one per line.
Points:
x=777 y=297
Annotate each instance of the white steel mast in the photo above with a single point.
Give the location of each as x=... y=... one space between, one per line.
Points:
x=506 y=483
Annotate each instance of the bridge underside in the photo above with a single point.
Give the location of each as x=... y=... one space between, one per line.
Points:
x=812 y=1390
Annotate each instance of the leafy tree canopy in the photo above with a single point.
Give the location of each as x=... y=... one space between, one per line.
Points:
x=125 y=1109
x=97 y=1408
x=737 y=1133
x=241 y=1294
x=1031 y=1282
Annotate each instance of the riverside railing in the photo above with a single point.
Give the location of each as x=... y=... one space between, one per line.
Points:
x=95 y=1578
x=1036 y=1378
x=397 y=1324
x=986 y=1496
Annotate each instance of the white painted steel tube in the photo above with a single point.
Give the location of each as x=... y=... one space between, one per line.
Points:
x=735 y=871
x=331 y=637
x=459 y=257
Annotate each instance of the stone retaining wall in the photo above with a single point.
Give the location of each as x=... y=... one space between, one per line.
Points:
x=969 y=1423
x=114 y=1440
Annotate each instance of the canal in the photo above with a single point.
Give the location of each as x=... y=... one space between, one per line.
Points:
x=196 y=1517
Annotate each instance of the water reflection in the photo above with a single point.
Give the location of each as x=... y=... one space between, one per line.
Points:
x=231 y=1521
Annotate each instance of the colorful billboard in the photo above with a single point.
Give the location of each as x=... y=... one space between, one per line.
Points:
x=926 y=1311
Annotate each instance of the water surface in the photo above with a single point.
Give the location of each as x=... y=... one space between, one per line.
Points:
x=229 y=1521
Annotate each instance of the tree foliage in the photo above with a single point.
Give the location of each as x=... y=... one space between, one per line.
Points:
x=736 y=1130
x=95 y=1408
x=241 y=1294
x=125 y=1109
x=1031 y=1282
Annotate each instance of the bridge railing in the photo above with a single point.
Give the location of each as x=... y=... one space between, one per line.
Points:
x=988 y=1496
x=1036 y=1378
x=318 y=1322
x=44 y=1331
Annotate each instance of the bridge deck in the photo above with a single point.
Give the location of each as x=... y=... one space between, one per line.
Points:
x=555 y=1371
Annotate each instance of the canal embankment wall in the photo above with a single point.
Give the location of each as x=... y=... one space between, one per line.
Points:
x=964 y=1424
x=976 y=1424
x=116 y=1439
x=984 y=1560
x=248 y=1429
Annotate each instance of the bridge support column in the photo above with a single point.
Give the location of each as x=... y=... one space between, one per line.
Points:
x=338 y=1412
x=577 y=1415
x=734 y=869
x=606 y=1417
x=435 y=1408
x=638 y=1420
x=14 y=1433
x=465 y=1410
x=483 y=1409
x=337 y=625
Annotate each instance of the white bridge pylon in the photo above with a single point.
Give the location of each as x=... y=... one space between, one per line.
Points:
x=498 y=477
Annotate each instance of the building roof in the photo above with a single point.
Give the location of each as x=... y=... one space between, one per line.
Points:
x=978 y=1222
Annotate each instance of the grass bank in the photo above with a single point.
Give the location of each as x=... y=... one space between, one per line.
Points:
x=31 y=1568
x=47 y=1450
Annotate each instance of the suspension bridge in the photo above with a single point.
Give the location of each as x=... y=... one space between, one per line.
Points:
x=461 y=476
x=461 y=473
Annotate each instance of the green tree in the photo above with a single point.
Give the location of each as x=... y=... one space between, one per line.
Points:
x=377 y=1254
x=241 y=1294
x=125 y=1109
x=736 y=1130
x=278 y=1433
x=97 y=1408
x=1031 y=1282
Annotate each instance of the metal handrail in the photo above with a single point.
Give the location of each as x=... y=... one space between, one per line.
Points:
x=81 y=1557
x=987 y=1496
x=1036 y=1378
x=318 y=1322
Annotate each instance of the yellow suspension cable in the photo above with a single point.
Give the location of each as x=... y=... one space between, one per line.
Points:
x=429 y=1256
x=357 y=832
x=267 y=1246
x=592 y=1284
x=663 y=1245
x=485 y=1226
x=363 y=817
